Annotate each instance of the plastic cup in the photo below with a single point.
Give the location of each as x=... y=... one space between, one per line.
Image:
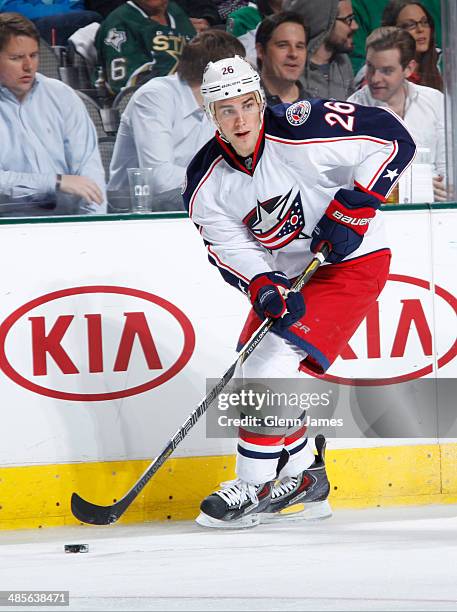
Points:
x=140 y=181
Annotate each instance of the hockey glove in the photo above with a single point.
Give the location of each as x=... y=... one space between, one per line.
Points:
x=269 y=295
x=344 y=223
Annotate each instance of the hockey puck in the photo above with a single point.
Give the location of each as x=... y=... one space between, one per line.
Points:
x=76 y=548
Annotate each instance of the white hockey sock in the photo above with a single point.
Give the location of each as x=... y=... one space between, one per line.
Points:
x=255 y=463
x=301 y=457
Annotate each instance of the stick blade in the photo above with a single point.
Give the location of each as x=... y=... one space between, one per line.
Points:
x=91 y=513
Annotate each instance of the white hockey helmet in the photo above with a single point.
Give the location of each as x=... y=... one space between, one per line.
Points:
x=229 y=78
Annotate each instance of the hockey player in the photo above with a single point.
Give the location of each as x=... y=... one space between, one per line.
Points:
x=266 y=192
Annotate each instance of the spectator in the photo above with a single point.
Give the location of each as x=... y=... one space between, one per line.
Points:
x=390 y=61
x=141 y=34
x=49 y=144
x=414 y=17
x=281 y=56
x=328 y=71
x=368 y=15
x=56 y=20
x=243 y=23
x=164 y=123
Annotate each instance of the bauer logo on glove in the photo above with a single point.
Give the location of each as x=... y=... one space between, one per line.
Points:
x=349 y=220
x=344 y=223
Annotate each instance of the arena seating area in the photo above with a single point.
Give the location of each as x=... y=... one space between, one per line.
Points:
x=83 y=74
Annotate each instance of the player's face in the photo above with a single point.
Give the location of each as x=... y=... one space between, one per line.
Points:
x=342 y=34
x=385 y=74
x=284 y=56
x=18 y=65
x=239 y=120
x=413 y=19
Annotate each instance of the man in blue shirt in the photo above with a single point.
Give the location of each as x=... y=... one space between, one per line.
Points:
x=49 y=144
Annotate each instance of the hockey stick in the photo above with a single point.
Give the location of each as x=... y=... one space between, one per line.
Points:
x=104 y=515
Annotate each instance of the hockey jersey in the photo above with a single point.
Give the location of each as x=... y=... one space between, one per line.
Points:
x=257 y=214
x=128 y=40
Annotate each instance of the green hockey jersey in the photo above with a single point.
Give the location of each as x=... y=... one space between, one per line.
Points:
x=129 y=40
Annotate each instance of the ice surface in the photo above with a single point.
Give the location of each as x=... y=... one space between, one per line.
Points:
x=377 y=559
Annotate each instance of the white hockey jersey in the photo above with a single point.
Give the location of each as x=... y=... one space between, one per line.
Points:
x=257 y=214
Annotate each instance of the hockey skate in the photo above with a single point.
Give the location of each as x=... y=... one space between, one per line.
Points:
x=304 y=496
x=235 y=505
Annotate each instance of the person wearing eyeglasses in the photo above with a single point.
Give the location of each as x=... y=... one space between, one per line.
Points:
x=328 y=70
x=418 y=21
x=369 y=14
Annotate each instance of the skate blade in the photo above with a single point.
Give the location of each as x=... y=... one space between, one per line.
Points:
x=245 y=522
x=313 y=511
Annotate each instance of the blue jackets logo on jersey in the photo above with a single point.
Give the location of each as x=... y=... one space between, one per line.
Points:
x=277 y=221
x=298 y=112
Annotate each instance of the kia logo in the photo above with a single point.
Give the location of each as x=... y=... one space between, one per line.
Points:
x=95 y=343
x=395 y=342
